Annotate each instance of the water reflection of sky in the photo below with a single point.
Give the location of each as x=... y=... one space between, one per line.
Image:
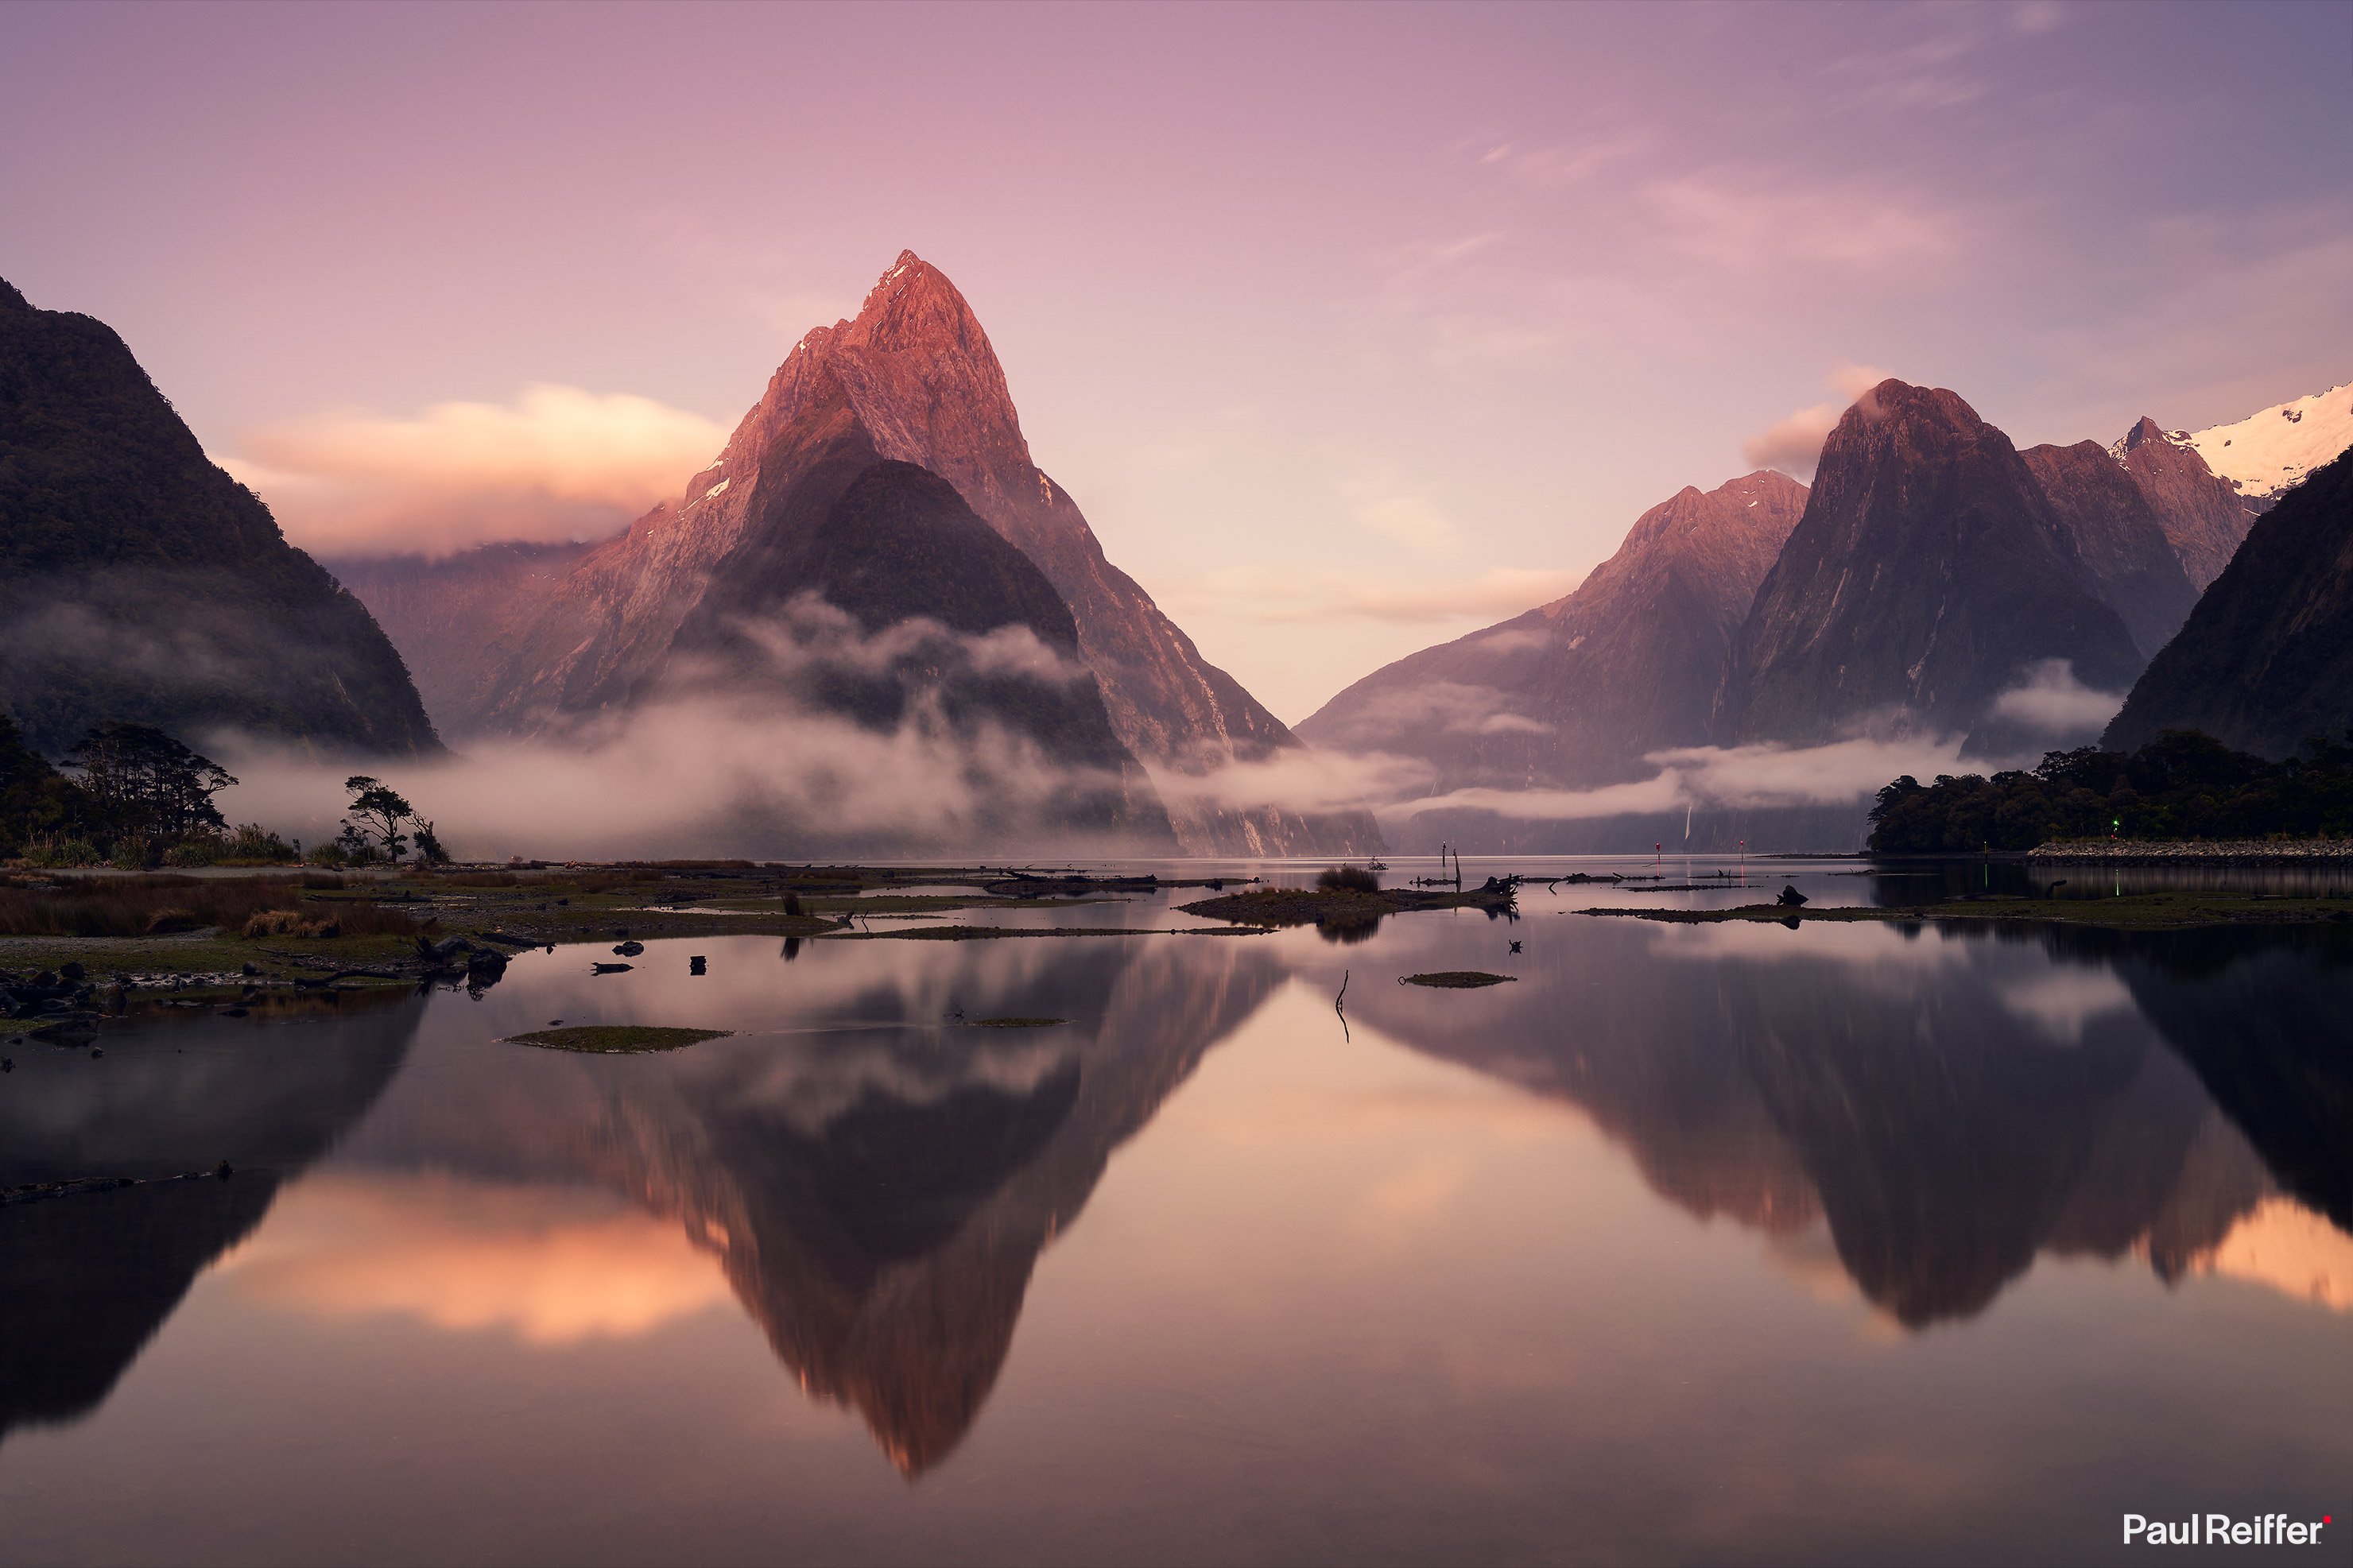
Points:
x=1693 y=1242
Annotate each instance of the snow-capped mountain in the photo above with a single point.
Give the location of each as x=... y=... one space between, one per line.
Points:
x=2264 y=453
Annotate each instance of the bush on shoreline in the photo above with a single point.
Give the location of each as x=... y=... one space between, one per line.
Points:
x=2182 y=785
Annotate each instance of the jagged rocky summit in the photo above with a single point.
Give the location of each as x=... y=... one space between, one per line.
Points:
x=1930 y=574
x=2266 y=659
x=910 y=380
x=139 y=583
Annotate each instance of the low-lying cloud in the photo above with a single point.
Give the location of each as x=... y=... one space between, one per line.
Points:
x=556 y=463
x=806 y=736
x=2052 y=702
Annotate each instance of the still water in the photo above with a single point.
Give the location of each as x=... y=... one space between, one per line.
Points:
x=1737 y=1244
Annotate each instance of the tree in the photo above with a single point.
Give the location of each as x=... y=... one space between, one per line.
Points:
x=380 y=813
x=147 y=780
x=428 y=848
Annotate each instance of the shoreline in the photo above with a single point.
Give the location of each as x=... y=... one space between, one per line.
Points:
x=2195 y=851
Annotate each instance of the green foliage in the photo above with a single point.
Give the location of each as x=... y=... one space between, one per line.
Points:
x=428 y=848
x=2183 y=784
x=37 y=804
x=144 y=779
x=380 y=811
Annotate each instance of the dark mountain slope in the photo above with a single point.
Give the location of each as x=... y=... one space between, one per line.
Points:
x=141 y=583
x=2204 y=518
x=2266 y=658
x=2118 y=535
x=1929 y=574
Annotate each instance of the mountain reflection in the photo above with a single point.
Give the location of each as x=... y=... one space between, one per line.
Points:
x=877 y=1192
x=91 y=1277
x=1949 y=1107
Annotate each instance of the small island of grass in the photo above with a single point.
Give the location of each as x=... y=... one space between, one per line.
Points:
x=603 y=1039
x=1456 y=979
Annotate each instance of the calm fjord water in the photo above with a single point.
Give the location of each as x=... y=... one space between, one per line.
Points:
x=1707 y=1243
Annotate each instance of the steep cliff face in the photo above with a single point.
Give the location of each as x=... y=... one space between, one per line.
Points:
x=140 y=584
x=2266 y=658
x=2116 y=532
x=1928 y=573
x=912 y=379
x=2203 y=518
x=1575 y=692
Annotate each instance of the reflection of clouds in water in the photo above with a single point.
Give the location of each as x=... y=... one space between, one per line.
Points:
x=817 y=1078
x=1876 y=949
x=2060 y=1002
x=551 y=1265
x=1402 y=1203
x=2288 y=1247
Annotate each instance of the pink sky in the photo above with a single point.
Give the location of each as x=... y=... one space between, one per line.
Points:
x=1351 y=328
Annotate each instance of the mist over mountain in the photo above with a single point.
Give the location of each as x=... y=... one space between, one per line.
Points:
x=1576 y=693
x=1929 y=575
x=140 y=584
x=910 y=380
x=2266 y=659
x=442 y=615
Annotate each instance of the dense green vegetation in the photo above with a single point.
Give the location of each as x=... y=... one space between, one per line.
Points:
x=2183 y=784
x=143 y=800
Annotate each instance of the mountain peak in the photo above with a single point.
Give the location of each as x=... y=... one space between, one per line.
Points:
x=2142 y=434
x=10 y=299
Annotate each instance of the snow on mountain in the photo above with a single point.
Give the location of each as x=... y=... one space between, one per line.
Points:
x=2265 y=453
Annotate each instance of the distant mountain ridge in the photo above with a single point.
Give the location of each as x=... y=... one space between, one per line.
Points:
x=1931 y=570
x=141 y=583
x=1577 y=691
x=2203 y=518
x=2134 y=567
x=2273 y=449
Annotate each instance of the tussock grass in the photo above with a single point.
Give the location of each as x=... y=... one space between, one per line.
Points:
x=1347 y=879
x=141 y=906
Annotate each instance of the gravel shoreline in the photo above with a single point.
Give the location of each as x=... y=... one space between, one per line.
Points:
x=2238 y=852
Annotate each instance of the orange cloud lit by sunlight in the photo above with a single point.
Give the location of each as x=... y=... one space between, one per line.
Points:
x=553 y=1265
x=556 y=463
x=2288 y=1247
